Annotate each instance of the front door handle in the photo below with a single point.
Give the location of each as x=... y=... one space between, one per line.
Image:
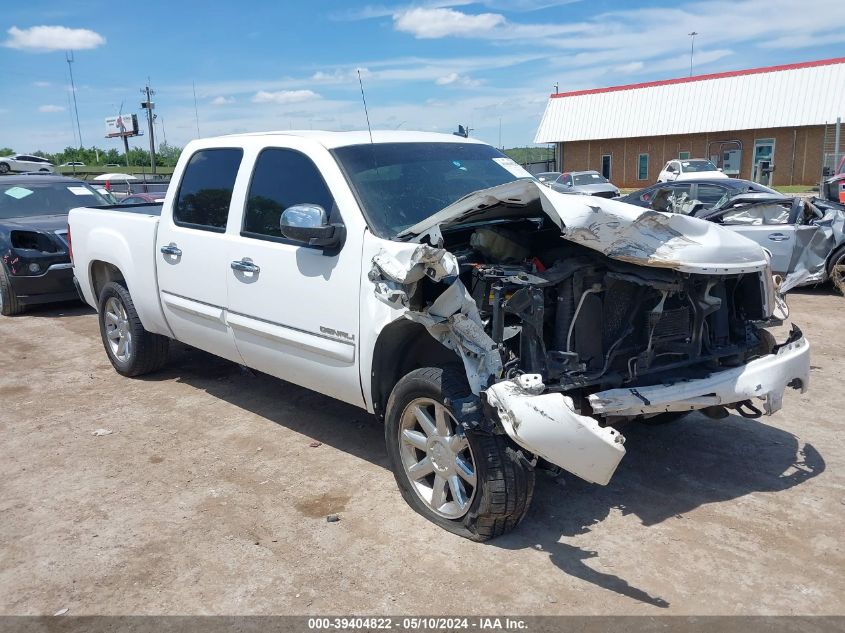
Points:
x=245 y=266
x=778 y=237
x=171 y=249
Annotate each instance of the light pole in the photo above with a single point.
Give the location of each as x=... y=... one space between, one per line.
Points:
x=691 y=50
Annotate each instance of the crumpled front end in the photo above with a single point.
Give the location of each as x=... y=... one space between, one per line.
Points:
x=572 y=319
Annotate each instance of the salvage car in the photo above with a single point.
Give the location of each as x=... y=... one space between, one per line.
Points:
x=684 y=169
x=590 y=183
x=24 y=163
x=806 y=237
x=34 y=262
x=493 y=324
x=708 y=192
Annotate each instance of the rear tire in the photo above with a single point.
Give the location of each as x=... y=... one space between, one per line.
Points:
x=836 y=269
x=486 y=484
x=9 y=303
x=131 y=349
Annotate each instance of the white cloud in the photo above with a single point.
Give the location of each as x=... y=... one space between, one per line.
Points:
x=51 y=108
x=41 y=84
x=426 y=23
x=53 y=38
x=453 y=79
x=630 y=67
x=221 y=100
x=284 y=97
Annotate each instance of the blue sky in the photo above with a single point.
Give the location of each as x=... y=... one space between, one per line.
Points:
x=425 y=65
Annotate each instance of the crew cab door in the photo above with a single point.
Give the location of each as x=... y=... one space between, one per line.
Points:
x=293 y=308
x=191 y=249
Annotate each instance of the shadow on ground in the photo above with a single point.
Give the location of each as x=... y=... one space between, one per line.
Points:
x=669 y=470
x=61 y=309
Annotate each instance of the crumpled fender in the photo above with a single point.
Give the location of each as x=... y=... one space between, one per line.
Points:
x=453 y=318
x=547 y=425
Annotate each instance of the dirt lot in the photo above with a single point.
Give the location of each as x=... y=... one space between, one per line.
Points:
x=207 y=498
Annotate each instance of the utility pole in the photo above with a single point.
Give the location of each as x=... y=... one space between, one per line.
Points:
x=69 y=59
x=149 y=106
x=691 y=50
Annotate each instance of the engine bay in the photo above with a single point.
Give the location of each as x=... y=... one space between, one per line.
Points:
x=585 y=322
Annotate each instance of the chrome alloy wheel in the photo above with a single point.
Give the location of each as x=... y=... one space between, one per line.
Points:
x=437 y=458
x=118 y=331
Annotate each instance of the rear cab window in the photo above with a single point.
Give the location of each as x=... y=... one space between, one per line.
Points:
x=205 y=191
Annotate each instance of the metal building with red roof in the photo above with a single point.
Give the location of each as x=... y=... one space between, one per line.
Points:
x=782 y=116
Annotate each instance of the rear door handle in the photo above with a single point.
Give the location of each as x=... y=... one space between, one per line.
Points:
x=245 y=266
x=778 y=237
x=171 y=249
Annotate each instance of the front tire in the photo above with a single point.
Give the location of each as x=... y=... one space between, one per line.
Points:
x=472 y=483
x=9 y=303
x=131 y=349
x=4 y=168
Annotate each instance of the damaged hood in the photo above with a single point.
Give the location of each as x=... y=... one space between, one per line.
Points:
x=621 y=231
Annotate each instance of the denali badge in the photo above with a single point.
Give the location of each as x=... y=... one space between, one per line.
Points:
x=336 y=333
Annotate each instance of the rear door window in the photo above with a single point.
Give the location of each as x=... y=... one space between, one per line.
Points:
x=205 y=191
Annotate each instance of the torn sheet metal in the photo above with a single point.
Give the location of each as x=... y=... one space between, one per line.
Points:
x=619 y=230
x=395 y=275
x=814 y=243
x=547 y=425
x=765 y=378
x=453 y=319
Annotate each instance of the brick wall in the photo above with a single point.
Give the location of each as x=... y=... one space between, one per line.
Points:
x=802 y=143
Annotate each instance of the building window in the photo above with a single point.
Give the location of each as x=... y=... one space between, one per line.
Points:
x=605 y=166
x=683 y=155
x=642 y=167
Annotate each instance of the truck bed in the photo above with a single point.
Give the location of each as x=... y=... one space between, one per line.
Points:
x=144 y=208
x=123 y=236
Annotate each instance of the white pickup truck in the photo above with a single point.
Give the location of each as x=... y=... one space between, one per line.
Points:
x=494 y=325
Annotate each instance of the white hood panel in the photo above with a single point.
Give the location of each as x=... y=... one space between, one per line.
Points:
x=621 y=231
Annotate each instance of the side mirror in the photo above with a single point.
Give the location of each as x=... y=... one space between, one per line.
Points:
x=718 y=169
x=309 y=224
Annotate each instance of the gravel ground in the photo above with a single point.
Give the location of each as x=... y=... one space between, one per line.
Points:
x=209 y=498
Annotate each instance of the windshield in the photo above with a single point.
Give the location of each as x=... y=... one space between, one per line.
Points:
x=400 y=184
x=45 y=198
x=690 y=166
x=588 y=179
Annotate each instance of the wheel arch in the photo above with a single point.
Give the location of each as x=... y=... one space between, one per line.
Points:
x=100 y=273
x=403 y=346
x=835 y=254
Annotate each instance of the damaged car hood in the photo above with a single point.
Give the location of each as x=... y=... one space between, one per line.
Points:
x=621 y=231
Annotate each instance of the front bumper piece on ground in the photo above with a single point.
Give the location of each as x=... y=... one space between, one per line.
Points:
x=547 y=425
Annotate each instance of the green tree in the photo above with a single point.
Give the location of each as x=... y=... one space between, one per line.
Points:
x=7 y=151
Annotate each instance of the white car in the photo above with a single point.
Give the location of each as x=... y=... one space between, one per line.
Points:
x=24 y=162
x=488 y=320
x=690 y=168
